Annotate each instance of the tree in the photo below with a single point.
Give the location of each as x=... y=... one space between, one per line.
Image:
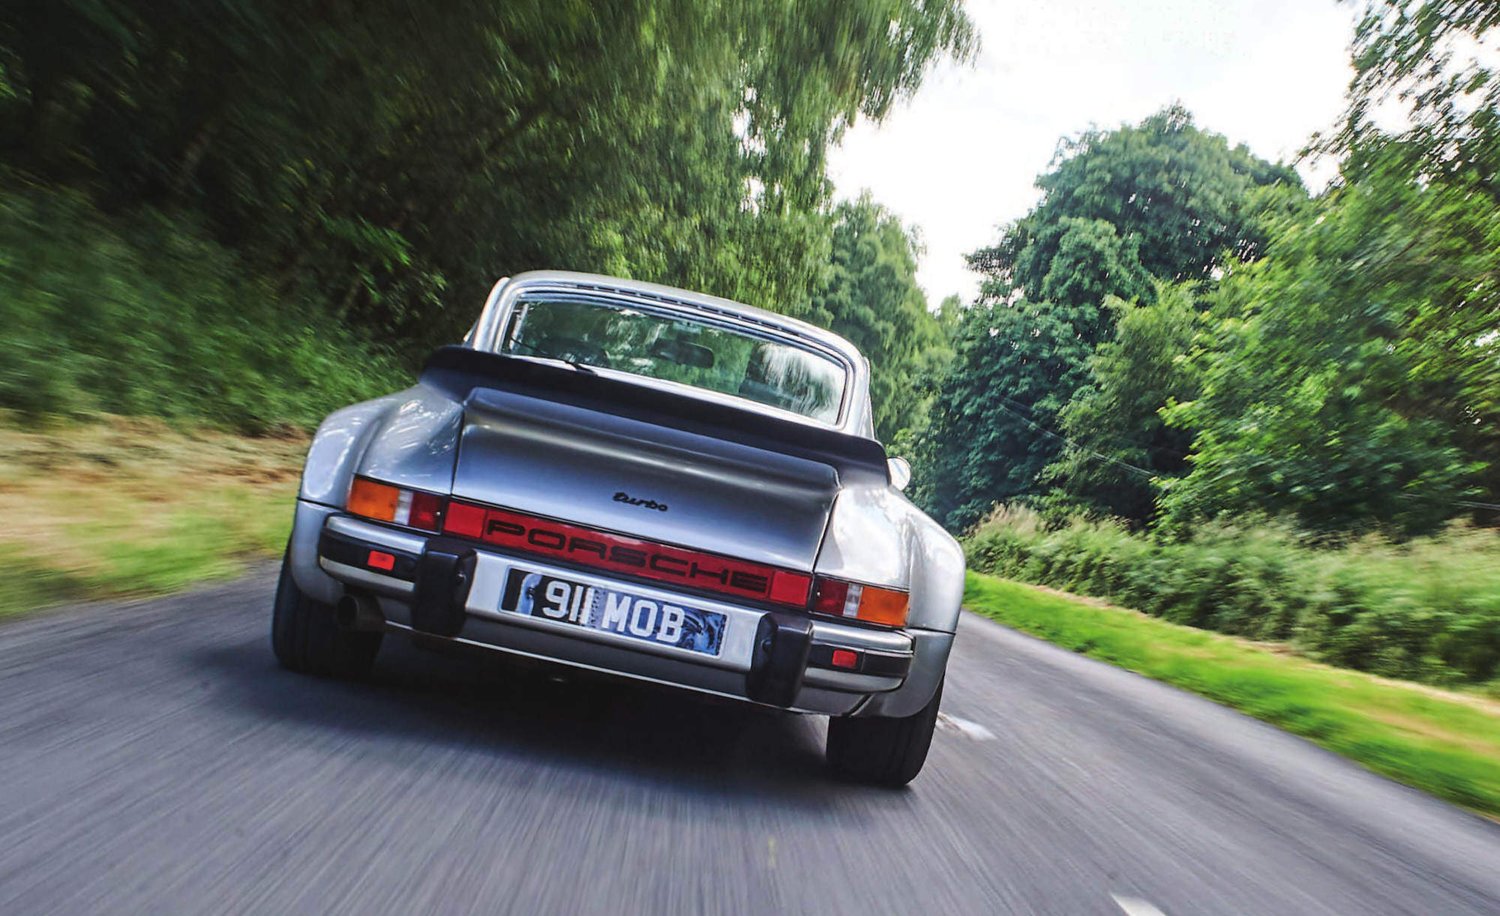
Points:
x=950 y=313
x=1430 y=64
x=1354 y=382
x=395 y=158
x=1358 y=380
x=870 y=295
x=1178 y=196
x=1118 y=448
x=989 y=437
x=1161 y=200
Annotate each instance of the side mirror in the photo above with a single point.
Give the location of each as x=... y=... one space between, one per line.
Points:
x=900 y=471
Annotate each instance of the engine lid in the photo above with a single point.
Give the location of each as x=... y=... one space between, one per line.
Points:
x=621 y=474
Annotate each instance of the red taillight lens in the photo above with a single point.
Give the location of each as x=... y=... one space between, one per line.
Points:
x=386 y=503
x=426 y=511
x=885 y=606
x=830 y=596
x=790 y=588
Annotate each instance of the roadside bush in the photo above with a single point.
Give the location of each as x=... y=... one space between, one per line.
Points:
x=145 y=315
x=1426 y=610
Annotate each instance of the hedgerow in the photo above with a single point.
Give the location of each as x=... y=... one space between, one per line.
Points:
x=1426 y=609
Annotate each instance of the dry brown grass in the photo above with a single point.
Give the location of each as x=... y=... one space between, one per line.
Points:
x=126 y=505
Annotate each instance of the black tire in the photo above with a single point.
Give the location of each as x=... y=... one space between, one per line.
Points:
x=307 y=638
x=882 y=751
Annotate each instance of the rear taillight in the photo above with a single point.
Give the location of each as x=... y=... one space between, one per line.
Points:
x=385 y=503
x=837 y=598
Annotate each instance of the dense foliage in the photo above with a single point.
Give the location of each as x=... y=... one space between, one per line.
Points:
x=1117 y=447
x=869 y=294
x=143 y=315
x=1353 y=376
x=379 y=164
x=1161 y=201
x=1426 y=610
x=1349 y=382
x=1176 y=332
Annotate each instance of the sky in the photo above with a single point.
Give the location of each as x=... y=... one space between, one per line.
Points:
x=959 y=159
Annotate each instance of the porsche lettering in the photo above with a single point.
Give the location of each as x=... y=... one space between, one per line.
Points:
x=655 y=561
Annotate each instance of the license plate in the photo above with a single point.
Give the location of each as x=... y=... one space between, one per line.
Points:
x=664 y=623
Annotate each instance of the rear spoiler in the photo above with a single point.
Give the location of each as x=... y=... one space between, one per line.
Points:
x=459 y=371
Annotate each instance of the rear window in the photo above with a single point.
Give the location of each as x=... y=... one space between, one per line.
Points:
x=608 y=335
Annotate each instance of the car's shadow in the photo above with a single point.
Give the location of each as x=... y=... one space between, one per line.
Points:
x=617 y=729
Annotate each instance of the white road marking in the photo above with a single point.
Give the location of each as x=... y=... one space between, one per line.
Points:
x=970 y=729
x=1135 y=906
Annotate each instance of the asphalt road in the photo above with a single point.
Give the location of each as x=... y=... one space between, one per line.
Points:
x=153 y=759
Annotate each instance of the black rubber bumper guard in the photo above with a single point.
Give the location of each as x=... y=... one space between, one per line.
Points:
x=782 y=644
x=445 y=573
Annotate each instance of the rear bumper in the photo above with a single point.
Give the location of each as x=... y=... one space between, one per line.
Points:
x=448 y=591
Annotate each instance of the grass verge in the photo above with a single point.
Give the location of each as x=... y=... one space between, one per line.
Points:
x=118 y=507
x=1443 y=742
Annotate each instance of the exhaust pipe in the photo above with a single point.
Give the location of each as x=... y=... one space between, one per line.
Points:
x=356 y=611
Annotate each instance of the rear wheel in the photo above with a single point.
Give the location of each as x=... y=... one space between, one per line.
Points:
x=306 y=636
x=882 y=751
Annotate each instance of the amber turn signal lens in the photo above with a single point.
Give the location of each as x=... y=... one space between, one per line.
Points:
x=374 y=500
x=883 y=605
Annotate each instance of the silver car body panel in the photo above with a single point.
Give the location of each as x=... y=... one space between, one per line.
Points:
x=876 y=536
x=410 y=438
x=554 y=459
x=302 y=553
x=565 y=462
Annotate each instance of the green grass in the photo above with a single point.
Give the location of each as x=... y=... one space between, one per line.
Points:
x=1444 y=743
x=29 y=584
x=212 y=540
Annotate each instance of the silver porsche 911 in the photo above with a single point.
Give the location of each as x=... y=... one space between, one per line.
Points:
x=644 y=482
